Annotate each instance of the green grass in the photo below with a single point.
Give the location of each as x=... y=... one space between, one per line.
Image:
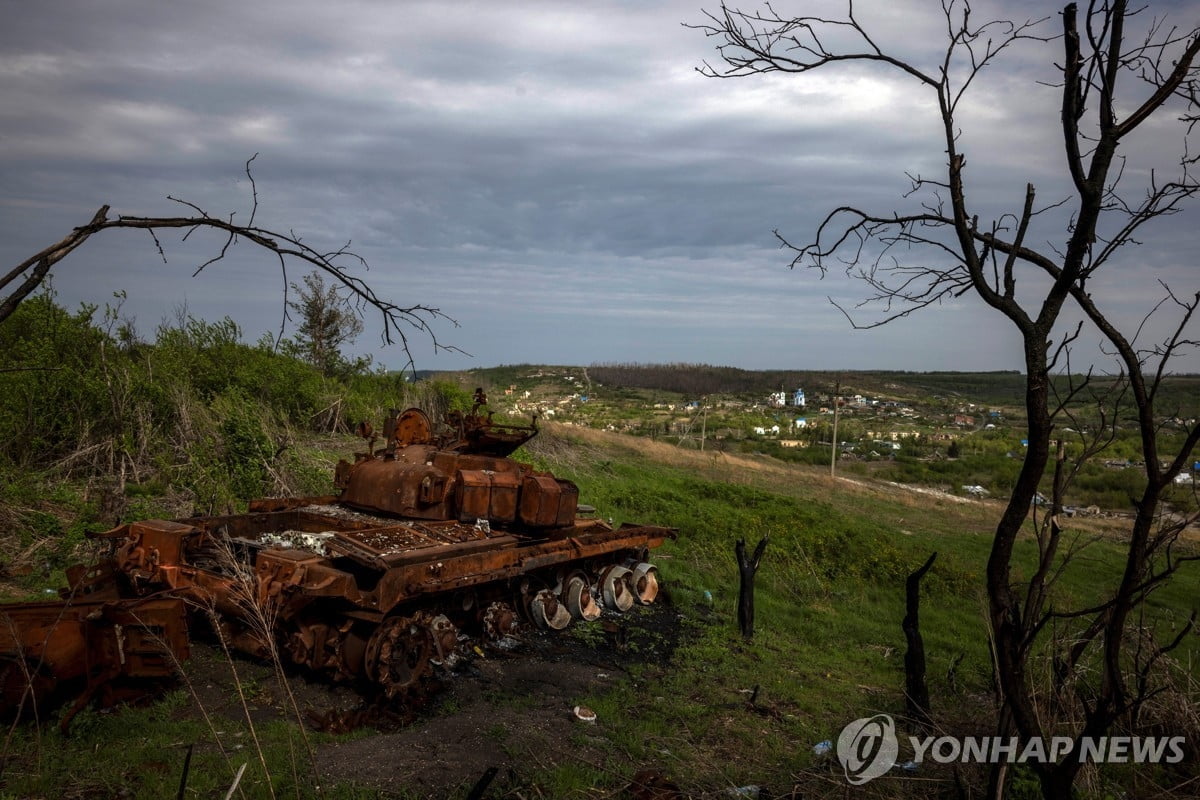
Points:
x=830 y=597
x=828 y=646
x=140 y=752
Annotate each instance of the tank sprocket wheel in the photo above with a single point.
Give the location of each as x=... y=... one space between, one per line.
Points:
x=398 y=655
x=499 y=621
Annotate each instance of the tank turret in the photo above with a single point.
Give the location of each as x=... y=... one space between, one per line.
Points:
x=462 y=474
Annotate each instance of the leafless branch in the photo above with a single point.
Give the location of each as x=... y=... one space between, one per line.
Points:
x=398 y=321
x=936 y=248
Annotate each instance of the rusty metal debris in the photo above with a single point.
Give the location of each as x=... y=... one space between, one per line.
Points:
x=649 y=784
x=374 y=715
x=434 y=541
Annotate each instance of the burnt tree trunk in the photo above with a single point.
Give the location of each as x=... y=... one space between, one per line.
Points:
x=916 y=693
x=746 y=569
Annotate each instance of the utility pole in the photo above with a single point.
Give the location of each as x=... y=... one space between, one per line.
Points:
x=691 y=425
x=837 y=402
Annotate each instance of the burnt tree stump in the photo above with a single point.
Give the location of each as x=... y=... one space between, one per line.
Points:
x=916 y=692
x=746 y=569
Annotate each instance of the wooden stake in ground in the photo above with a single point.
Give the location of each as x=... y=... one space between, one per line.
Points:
x=916 y=693
x=746 y=569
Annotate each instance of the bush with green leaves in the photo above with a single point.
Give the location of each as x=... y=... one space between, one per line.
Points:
x=197 y=410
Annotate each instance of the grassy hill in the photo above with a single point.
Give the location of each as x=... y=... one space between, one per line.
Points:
x=828 y=646
x=199 y=421
x=959 y=433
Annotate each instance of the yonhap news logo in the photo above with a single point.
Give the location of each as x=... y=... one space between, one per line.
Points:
x=868 y=748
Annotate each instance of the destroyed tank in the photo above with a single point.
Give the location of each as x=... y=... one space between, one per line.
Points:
x=435 y=543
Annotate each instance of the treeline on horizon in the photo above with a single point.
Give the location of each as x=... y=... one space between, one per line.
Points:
x=706 y=379
x=1178 y=396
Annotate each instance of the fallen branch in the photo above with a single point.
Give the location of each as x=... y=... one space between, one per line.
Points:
x=286 y=247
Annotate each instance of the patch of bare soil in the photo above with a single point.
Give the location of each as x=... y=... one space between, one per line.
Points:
x=511 y=709
x=512 y=714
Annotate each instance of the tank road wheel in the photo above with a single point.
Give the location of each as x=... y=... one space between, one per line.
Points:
x=398 y=655
x=327 y=648
x=577 y=597
x=443 y=634
x=644 y=580
x=547 y=612
x=615 y=589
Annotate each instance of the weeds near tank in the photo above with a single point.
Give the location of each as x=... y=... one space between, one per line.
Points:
x=260 y=610
x=29 y=688
x=181 y=673
x=590 y=633
x=223 y=638
x=27 y=694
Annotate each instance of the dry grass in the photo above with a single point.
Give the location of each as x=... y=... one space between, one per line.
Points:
x=585 y=446
x=571 y=447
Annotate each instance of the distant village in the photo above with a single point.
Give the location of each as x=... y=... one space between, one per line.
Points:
x=868 y=428
x=779 y=415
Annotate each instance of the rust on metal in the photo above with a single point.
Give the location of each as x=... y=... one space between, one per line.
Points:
x=435 y=538
x=86 y=648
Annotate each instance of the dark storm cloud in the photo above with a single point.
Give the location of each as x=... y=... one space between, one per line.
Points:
x=555 y=176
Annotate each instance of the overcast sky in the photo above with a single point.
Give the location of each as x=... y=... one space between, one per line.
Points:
x=557 y=177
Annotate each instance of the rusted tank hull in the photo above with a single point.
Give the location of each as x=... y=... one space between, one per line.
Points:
x=85 y=647
x=435 y=545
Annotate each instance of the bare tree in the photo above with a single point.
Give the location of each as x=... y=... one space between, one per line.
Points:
x=1113 y=81
x=287 y=248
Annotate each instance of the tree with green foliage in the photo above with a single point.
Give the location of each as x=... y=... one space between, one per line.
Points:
x=1104 y=662
x=327 y=323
